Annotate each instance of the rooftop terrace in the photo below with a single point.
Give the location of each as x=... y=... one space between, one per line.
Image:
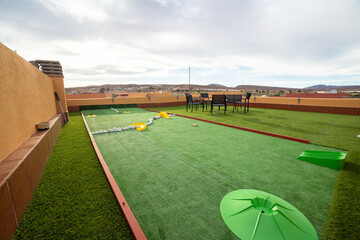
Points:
x=54 y=190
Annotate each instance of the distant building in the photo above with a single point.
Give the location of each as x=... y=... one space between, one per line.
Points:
x=331 y=91
x=82 y=96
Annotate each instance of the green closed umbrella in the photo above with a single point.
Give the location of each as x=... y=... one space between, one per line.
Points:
x=252 y=214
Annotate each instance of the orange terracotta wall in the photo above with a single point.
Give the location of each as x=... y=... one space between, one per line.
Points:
x=319 y=95
x=158 y=94
x=126 y=100
x=137 y=94
x=26 y=98
x=331 y=102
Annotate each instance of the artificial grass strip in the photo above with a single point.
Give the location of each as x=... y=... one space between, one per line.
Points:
x=332 y=130
x=344 y=215
x=246 y=129
x=174 y=175
x=73 y=199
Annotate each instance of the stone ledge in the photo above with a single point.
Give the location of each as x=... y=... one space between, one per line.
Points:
x=20 y=172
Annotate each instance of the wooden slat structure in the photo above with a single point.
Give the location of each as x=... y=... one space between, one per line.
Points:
x=50 y=68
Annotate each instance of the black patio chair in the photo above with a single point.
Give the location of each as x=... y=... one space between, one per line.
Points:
x=187 y=102
x=205 y=98
x=246 y=102
x=218 y=101
x=236 y=100
x=192 y=101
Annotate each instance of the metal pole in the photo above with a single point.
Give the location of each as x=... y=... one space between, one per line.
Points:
x=60 y=106
x=189 y=80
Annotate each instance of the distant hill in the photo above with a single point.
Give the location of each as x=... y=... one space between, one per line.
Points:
x=256 y=87
x=214 y=85
x=185 y=86
x=109 y=86
x=211 y=86
x=219 y=86
x=329 y=87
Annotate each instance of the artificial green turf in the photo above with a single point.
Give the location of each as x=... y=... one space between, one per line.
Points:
x=73 y=199
x=333 y=130
x=174 y=175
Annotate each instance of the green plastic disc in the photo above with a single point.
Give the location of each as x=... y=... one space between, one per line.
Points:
x=252 y=214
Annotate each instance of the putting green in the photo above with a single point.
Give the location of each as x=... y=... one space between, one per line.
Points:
x=174 y=175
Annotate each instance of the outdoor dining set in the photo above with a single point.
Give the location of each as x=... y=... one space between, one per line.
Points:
x=218 y=101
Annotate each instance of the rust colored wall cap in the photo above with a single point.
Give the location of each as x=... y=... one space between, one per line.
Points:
x=9 y=164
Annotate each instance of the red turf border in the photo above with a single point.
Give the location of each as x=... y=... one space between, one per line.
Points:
x=245 y=129
x=129 y=216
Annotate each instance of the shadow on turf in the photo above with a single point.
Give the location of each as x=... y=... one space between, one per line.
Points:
x=352 y=167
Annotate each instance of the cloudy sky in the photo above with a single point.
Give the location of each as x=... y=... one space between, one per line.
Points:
x=288 y=43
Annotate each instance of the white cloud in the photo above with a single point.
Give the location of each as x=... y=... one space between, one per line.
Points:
x=231 y=41
x=190 y=11
x=162 y=2
x=81 y=10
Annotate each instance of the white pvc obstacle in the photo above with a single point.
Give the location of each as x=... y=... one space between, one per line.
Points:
x=115 y=110
x=128 y=127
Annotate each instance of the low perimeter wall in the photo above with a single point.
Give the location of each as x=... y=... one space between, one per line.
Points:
x=328 y=102
x=20 y=172
x=308 y=108
x=74 y=105
x=323 y=105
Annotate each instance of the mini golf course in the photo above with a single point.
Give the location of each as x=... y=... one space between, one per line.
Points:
x=174 y=174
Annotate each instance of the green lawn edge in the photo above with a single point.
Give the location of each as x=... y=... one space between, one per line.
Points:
x=73 y=199
x=331 y=130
